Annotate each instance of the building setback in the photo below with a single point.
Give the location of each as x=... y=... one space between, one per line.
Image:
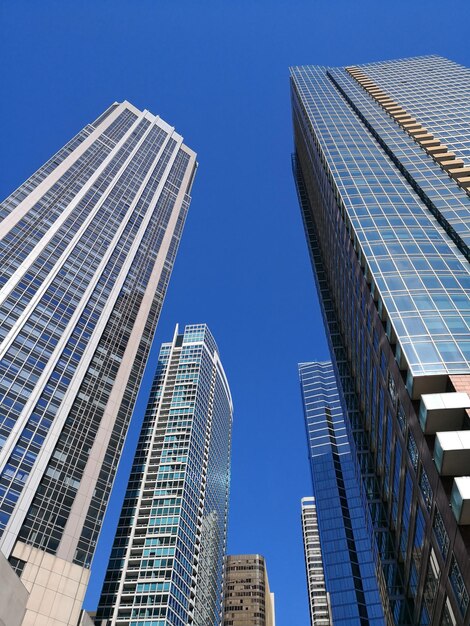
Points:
x=346 y=547
x=317 y=593
x=382 y=165
x=87 y=245
x=247 y=598
x=166 y=565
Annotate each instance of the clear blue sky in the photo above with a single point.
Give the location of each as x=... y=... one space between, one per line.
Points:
x=218 y=71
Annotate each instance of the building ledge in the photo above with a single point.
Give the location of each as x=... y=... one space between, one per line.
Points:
x=443 y=411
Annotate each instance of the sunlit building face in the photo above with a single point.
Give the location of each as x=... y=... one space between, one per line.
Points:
x=87 y=246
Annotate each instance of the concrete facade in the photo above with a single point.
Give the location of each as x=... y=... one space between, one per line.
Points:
x=317 y=594
x=87 y=246
x=247 y=597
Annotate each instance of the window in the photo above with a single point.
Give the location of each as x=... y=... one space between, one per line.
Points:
x=458 y=586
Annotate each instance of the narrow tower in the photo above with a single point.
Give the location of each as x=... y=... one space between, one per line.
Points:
x=346 y=546
x=247 y=598
x=317 y=594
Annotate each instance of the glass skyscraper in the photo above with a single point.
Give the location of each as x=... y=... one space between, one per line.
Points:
x=87 y=246
x=382 y=165
x=346 y=549
x=166 y=565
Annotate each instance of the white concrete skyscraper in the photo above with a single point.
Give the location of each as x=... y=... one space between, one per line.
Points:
x=166 y=565
x=87 y=245
x=317 y=594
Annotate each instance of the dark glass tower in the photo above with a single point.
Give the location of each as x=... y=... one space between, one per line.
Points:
x=348 y=564
x=382 y=165
x=166 y=565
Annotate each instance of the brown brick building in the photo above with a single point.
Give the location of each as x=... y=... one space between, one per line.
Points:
x=247 y=599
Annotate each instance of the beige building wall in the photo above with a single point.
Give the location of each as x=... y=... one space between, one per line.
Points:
x=56 y=587
x=247 y=597
x=87 y=619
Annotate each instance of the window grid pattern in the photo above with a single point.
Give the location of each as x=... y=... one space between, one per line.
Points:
x=329 y=132
x=44 y=525
x=317 y=594
x=406 y=251
x=246 y=592
x=435 y=91
x=28 y=231
x=436 y=188
x=66 y=323
x=14 y=199
x=346 y=546
x=53 y=312
x=382 y=534
x=166 y=563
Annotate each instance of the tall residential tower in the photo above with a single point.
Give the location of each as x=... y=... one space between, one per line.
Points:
x=382 y=165
x=317 y=594
x=87 y=245
x=166 y=565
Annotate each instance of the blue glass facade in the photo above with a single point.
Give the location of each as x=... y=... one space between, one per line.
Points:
x=87 y=246
x=387 y=224
x=166 y=565
x=346 y=547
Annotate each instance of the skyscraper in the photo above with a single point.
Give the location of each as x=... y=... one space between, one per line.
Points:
x=166 y=565
x=87 y=246
x=382 y=154
x=317 y=593
x=346 y=546
x=247 y=598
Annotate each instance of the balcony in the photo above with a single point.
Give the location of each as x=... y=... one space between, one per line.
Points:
x=440 y=412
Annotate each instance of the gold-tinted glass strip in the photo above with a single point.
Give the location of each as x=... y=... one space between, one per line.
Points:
x=455 y=167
